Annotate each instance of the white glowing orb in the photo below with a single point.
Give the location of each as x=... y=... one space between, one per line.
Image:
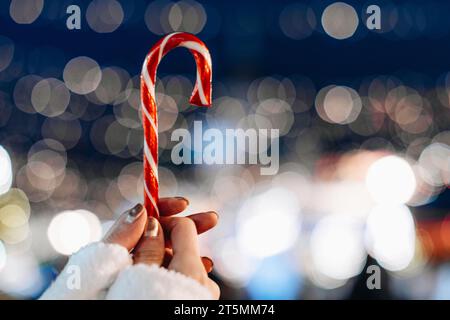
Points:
x=390 y=236
x=2 y=256
x=234 y=266
x=6 y=174
x=391 y=180
x=268 y=223
x=21 y=276
x=71 y=230
x=337 y=248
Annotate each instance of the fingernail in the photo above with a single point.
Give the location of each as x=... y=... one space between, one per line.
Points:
x=184 y=199
x=134 y=213
x=210 y=262
x=217 y=215
x=152 y=228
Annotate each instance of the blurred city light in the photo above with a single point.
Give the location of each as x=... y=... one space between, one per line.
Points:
x=71 y=230
x=25 y=11
x=340 y=104
x=164 y=16
x=6 y=173
x=337 y=248
x=297 y=21
x=275 y=278
x=104 y=16
x=21 y=276
x=390 y=236
x=50 y=97
x=268 y=223
x=82 y=75
x=340 y=20
x=233 y=265
x=6 y=52
x=390 y=180
x=3 y=256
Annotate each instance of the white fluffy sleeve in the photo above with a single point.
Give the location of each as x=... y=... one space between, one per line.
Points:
x=142 y=282
x=89 y=272
x=100 y=270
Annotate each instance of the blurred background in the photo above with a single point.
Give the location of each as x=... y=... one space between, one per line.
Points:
x=364 y=118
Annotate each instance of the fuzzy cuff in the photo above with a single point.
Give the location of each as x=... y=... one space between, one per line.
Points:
x=155 y=283
x=89 y=272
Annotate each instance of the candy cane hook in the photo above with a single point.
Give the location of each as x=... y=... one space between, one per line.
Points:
x=201 y=96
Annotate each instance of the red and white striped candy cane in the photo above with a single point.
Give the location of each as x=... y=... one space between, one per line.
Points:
x=201 y=96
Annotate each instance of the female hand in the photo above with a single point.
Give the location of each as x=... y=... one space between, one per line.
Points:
x=171 y=242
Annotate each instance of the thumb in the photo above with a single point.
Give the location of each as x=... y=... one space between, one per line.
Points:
x=128 y=229
x=150 y=249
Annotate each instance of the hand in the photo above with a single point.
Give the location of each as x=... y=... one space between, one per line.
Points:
x=145 y=238
x=183 y=256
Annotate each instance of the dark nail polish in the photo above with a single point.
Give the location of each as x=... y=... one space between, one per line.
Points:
x=184 y=199
x=134 y=212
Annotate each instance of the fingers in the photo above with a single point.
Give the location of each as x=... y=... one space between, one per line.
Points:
x=171 y=206
x=207 y=262
x=203 y=221
x=183 y=234
x=127 y=230
x=150 y=249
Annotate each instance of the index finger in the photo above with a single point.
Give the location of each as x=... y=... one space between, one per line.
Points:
x=172 y=205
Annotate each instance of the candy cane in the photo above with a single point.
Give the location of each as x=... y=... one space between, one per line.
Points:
x=201 y=96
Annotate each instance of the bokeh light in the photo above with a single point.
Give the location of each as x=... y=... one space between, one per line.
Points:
x=232 y=263
x=337 y=248
x=82 y=75
x=339 y=105
x=274 y=212
x=104 y=16
x=275 y=278
x=390 y=236
x=50 y=97
x=3 y=256
x=340 y=20
x=164 y=16
x=21 y=276
x=6 y=52
x=71 y=230
x=25 y=11
x=297 y=21
x=23 y=91
x=391 y=180
x=6 y=174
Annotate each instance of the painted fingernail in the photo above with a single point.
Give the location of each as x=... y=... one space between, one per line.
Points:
x=183 y=199
x=134 y=213
x=209 y=262
x=152 y=228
